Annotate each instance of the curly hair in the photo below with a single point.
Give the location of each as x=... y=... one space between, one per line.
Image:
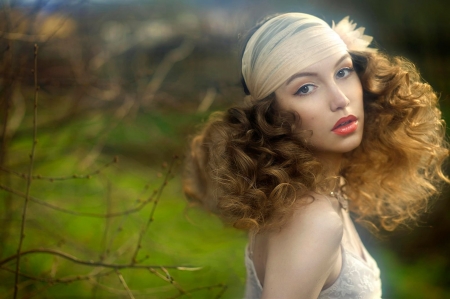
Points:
x=397 y=168
x=249 y=164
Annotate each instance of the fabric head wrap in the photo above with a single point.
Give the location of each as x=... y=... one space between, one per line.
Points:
x=288 y=43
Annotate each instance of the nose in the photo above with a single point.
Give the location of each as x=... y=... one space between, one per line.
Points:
x=338 y=99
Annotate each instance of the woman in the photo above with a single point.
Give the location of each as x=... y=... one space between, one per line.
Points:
x=330 y=126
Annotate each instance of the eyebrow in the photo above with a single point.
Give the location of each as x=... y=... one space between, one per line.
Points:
x=308 y=74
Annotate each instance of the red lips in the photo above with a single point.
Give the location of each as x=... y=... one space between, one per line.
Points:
x=345 y=125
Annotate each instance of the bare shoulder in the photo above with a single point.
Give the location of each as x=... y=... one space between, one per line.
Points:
x=302 y=254
x=317 y=219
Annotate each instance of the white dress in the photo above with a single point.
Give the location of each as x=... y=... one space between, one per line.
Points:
x=359 y=278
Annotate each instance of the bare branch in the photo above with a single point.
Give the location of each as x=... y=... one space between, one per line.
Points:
x=30 y=174
x=92 y=263
x=120 y=113
x=164 y=67
x=67 y=279
x=57 y=208
x=124 y=283
x=167 y=277
x=152 y=212
x=207 y=101
x=63 y=178
x=222 y=291
x=107 y=260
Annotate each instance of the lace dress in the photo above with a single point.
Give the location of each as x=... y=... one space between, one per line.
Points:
x=359 y=278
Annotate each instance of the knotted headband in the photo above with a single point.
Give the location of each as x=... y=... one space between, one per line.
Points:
x=290 y=42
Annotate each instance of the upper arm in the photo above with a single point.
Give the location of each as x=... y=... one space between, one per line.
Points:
x=301 y=256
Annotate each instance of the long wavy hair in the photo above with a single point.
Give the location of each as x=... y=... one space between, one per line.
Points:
x=250 y=165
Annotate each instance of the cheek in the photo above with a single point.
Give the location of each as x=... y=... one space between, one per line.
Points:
x=353 y=88
x=355 y=95
x=358 y=90
x=309 y=121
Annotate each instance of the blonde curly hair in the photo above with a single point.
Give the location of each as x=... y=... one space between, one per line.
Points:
x=249 y=166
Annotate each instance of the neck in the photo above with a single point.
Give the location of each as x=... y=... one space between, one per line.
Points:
x=331 y=163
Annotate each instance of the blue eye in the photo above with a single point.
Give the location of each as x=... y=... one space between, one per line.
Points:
x=345 y=72
x=305 y=89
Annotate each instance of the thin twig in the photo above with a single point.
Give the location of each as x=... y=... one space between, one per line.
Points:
x=167 y=277
x=6 y=96
x=178 y=54
x=119 y=115
x=24 y=284
x=222 y=291
x=152 y=212
x=124 y=283
x=104 y=241
x=68 y=279
x=30 y=173
x=62 y=178
x=7 y=92
x=207 y=101
x=146 y=187
x=92 y=263
x=57 y=208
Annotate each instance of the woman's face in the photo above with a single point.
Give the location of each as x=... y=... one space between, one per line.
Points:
x=328 y=97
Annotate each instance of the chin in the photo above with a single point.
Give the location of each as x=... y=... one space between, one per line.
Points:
x=352 y=145
x=340 y=147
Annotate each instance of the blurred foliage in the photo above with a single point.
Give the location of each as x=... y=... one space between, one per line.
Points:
x=135 y=79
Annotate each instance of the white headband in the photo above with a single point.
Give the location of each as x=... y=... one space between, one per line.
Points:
x=291 y=42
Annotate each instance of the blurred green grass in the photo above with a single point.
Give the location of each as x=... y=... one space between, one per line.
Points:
x=179 y=235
